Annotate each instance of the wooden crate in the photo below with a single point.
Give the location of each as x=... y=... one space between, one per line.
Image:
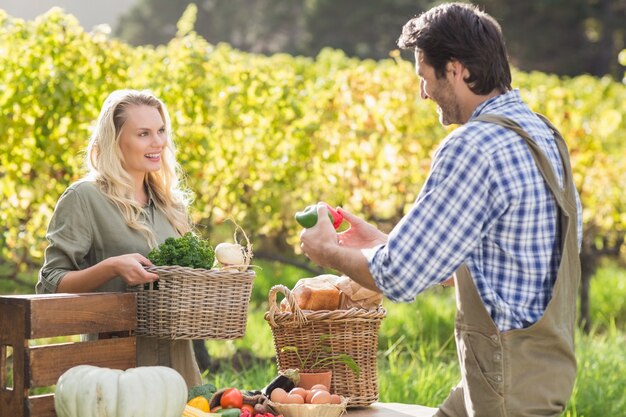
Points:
x=27 y=317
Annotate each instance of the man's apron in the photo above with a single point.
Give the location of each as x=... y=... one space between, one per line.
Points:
x=530 y=371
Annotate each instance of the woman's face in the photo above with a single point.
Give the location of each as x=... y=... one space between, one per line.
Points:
x=142 y=139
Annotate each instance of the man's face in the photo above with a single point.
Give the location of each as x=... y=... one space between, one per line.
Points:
x=440 y=90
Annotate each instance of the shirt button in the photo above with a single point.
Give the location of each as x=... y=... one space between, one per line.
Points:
x=497 y=357
x=494 y=337
x=499 y=378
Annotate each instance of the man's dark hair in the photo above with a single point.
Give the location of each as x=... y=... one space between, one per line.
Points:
x=461 y=32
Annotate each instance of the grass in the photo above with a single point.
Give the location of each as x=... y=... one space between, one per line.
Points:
x=600 y=384
x=608 y=297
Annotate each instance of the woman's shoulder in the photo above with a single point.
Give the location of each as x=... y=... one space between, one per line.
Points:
x=84 y=188
x=82 y=192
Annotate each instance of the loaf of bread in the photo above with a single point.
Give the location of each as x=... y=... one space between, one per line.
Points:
x=332 y=292
x=317 y=293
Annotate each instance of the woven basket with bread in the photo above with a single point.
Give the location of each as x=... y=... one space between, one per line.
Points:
x=339 y=310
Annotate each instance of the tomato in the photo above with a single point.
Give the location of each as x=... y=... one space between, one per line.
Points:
x=231 y=398
x=248 y=407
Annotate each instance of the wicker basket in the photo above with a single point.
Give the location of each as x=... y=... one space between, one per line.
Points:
x=353 y=332
x=310 y=410
x=194 y=303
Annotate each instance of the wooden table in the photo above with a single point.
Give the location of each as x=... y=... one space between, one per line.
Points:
x=391 y=410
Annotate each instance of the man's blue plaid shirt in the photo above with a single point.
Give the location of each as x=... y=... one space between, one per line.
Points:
x=485 y=204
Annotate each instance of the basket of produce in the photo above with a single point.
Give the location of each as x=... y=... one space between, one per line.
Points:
x=316 y=402
x=280 y=398
x=193 y=299
x=329 y=323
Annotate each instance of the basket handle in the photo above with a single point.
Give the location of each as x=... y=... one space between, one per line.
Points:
x=297 y=314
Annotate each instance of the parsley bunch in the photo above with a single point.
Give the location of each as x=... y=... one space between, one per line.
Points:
x=188 y=250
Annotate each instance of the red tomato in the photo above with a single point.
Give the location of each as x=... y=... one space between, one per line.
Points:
x=231 y=398
x=247 y=407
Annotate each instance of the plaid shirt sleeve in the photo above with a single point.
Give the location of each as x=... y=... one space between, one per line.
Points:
x=444 y=225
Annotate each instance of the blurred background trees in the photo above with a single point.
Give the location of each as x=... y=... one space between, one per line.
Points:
x=564 y=37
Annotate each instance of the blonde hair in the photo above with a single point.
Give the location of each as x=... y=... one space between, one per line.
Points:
x=104 y=162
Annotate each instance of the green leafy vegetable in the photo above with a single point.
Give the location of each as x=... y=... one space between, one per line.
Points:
x=188 y=250
x=206 y=390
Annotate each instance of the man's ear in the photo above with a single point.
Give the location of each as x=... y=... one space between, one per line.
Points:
x=457 y=70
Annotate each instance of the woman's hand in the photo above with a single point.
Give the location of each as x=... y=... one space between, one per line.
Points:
x=360 y=235
x=130 y=268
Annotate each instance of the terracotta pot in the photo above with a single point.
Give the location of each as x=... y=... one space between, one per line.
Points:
x=312 y=377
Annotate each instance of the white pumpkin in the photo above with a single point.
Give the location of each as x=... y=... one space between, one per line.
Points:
x=146 y=391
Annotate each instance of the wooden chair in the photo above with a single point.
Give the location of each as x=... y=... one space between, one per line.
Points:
x=24 y=318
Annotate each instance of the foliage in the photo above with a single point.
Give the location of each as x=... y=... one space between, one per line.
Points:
x=297 y=27
x=566 y=37
x=321 y=356
x=584 y=35
x=622 y=60
x=260 y=137
x=188 y=250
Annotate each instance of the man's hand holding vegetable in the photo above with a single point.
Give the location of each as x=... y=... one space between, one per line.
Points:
x=344 y=252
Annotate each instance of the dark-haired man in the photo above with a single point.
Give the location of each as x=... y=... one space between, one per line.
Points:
x=498 y=211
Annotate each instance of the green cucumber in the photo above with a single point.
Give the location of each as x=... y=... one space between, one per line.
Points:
x=229 y=412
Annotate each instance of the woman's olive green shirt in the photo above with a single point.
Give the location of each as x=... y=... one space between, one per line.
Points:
x=87 y=228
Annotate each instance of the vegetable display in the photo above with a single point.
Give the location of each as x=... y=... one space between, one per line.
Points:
x=148 y=391
x=232 y=402
x=274 y=400
x=188 y=250
x=308 y=217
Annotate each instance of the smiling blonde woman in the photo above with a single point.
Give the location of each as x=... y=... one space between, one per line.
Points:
x=130 y=201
